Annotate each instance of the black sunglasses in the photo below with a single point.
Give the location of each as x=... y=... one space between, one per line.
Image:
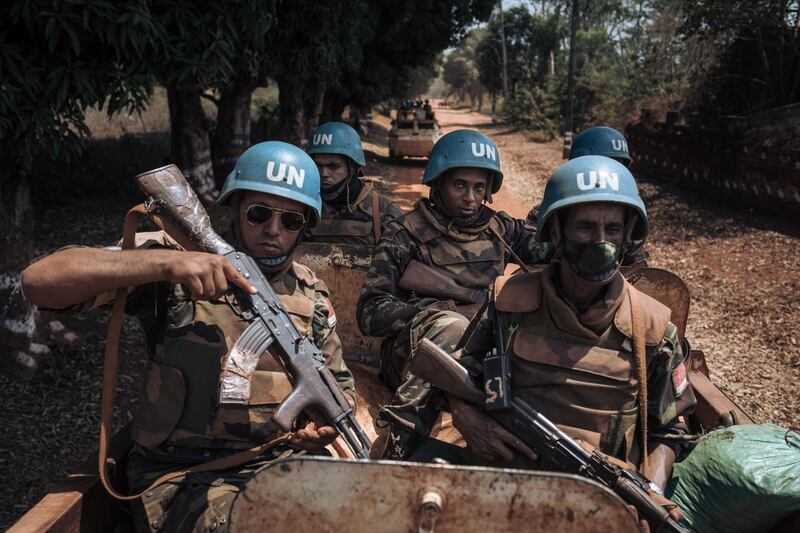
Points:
x=258 y=214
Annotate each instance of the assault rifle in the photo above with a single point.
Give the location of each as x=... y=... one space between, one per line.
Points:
x=185 y=219
x=428 y=281
x=434 y=365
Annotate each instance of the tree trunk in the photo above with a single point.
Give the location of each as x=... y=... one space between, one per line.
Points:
x=190 y=138
x=315 y=97
x=332 y=107
x=20 y=352
x=291 y=112
x=232 y=134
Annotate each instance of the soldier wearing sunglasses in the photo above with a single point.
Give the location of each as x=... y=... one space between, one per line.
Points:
x=191 y=322
x=353 y=212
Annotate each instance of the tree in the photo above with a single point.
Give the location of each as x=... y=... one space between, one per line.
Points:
x=203 y=46
x=56 y=58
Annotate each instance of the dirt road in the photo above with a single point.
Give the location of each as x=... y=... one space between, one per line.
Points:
x=740 y=267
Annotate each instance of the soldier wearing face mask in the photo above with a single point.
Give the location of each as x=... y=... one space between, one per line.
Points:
x=570 y=332
x=352 y=210
x=460 y=242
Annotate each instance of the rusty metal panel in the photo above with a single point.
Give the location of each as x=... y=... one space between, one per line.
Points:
x=712 y=403
x=667 y=288
x=322 y=494
x=343 y=268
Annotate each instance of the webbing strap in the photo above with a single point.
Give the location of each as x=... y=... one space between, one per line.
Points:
x=637 y=318
x=376 y=216
x=507 y=246
x=110 y=371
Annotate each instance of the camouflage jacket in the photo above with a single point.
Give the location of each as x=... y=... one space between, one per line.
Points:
x=579 y=370
x=354 y=223
x=472 y=256
x=188 y=343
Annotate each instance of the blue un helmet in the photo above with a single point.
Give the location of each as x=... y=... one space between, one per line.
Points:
x=337 y=138
x=464 y=148
x=601 y=140
x=277 y=168
x=586 y=179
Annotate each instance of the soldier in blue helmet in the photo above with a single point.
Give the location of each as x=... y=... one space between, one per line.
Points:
x=353 y=211
x=592 y=353
x=191 y=323
x=601 y=140
x=450 y=239
x=608 y=142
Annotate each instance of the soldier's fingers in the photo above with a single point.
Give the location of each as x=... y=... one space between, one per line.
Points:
x=195 y=287
x=502 y=451
x=208 y=286
x=515 y=442
x=237 y=279
x=220 y=283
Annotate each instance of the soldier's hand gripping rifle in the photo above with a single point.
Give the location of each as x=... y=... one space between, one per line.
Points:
x=432 y=364
x=313 y=384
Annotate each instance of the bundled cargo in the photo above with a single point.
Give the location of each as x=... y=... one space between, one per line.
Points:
x=739 y=479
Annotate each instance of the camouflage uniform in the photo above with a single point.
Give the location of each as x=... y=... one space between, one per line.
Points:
x=473 y=256
x=579 y=369
x=353 y=223
x=180 y=423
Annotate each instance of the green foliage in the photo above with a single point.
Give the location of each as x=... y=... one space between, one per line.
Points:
x=59 y=57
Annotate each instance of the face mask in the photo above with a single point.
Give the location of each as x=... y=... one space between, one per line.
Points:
x=592 y=261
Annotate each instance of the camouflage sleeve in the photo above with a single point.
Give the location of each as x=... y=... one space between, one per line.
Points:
x=670 y=396
x=325 y=336
x=521 y=236
x=383 y=307
x=390 y=212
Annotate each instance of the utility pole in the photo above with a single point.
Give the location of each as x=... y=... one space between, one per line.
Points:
x=505 y=57
x=571 y=82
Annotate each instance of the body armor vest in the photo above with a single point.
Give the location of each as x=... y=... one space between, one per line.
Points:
x=180 y=402
x=585 y=383
x=473 y=260
x=351 y=226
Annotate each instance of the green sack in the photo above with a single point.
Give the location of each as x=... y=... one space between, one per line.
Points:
x=739 y=479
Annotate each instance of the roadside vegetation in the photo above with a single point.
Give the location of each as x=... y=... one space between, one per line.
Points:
x=710 y=58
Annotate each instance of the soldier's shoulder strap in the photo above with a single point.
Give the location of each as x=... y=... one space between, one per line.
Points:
x=418 y=227
x=518 y=293
x=304 y=274
x=655 y=315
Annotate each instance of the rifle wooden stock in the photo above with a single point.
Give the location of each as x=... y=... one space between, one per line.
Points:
x=434 y=365
x=183 y=216
x=428 y=281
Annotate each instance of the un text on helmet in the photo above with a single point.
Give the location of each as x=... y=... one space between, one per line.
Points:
x=323 y=138
x=619 y=145
x=295 y=176
x=598 y=179
x=484 y=150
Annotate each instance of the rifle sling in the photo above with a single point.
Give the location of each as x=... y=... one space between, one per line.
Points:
x=637 y=319
x=111 y=369
x=510 y=250
x=376 y=216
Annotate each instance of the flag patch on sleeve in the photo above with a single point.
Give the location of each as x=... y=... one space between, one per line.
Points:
x=331 y=314
x=679 y=379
